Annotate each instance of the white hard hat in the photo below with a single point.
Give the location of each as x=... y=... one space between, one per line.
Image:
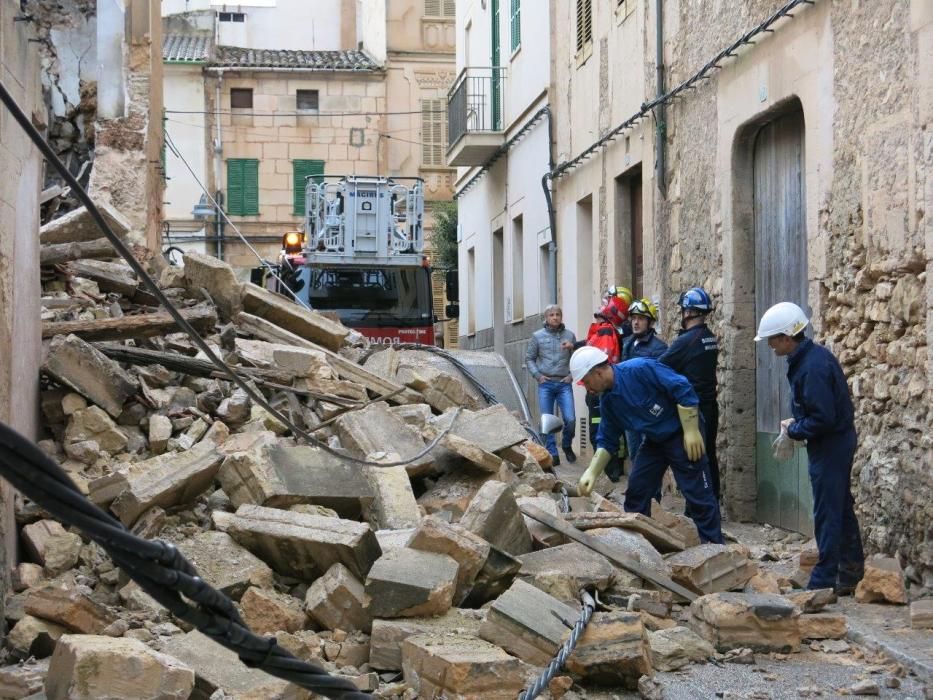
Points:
x=585 y=359
x=785 y=318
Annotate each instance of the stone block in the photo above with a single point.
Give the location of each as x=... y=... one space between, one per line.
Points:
x=710 y=568
x=93 y=424
x=416 y=415
x=303 y=546
x=528 y=623
x=31 y=636
x=758 y=621
x=90 y=666
x=337 y=600
x=149 y=524
x=453 y=492
x=376 y=429
x=921 y=614
x=564 y=570
x=493 y=428
x=883 y=582
x=218 y=278
x=493 y=514
x=635 y=545
x=461 y=667
x=302 y=362
x=812 y=601
x=476 y=455
x=470 y=551
x=676 y=647
x=235 y=409
x=541 y=535
x=82 y=367
x=394 y=539
x=291 y=317
x=677 y=522
x=266 y=611
x=763 y=582
x=24 y=680
x=280 y=477
x=393 y=506
x=244 y=442
x=160 y=432
x=224 y=564
x=26 y=576
x=613 y=650
x=411 y=583
x=387 y=635
x=497 y=574
x=664 y=539
x=165 y=481
x=823 y=626
x=78 y=226
x=51 y=545
x=69 y=607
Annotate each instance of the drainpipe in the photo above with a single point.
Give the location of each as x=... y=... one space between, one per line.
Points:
x=551 y=214
x=660 y=113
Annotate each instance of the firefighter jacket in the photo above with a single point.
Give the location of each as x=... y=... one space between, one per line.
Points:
x=693 y=353
x=821 y=403
x=648 y=346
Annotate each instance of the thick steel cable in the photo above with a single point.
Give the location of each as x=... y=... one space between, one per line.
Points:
x=566 y=649
x=159 y=569
x=157 y=292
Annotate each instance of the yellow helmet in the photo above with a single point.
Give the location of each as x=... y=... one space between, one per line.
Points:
x=643 y=307
x=624 y=293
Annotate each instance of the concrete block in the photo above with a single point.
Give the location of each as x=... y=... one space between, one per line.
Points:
x=293 y=318
x=166 y=481
x=393 y=506
x=68 y=607
x=528 y=623
x=883 y=582
x=91 y=666
x=218 y=278
x=224 y=564
x=31 y=636
x=461 y=667
x=613 y=650
x=304 y=546
x=376 y=429
x=93 y=424
x=921 y=614
x=24 y=680
x=676 y=647
x=266 y=611
x=493 y=514
x=710 y=568
x=387 y=635
x=758 y=621
x=279 y=477
x=410 y=583
x=470 y=551
x=562 y=571
x=823 y=626
x=82 y=367
x=337 y=600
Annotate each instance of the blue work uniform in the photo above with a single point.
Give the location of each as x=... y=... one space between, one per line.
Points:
x=644 y=397
x=694 y=353
x=824 y=417
x=649 y=345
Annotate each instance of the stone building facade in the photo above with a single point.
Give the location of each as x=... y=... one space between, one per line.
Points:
x=800 y=170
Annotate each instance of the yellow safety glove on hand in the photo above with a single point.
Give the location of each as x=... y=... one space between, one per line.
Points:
x=593 y=472
x=690 y=422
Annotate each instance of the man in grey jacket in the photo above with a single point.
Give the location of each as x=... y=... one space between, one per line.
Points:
x=548 y=360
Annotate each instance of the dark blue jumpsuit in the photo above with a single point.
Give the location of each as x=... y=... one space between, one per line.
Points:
x=644 y=397
x=649 y=345
x=693 y=353
x=824 y=417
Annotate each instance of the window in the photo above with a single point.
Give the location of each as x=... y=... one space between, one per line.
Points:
x=518 y=272
x=516 y=24
x=471 y=291
x=440 y=8
x=301 y=169
x=434 y=132
x=241 y=98
x=232 y=17
x=584 y=24
x=306 y=99
x=243 y=186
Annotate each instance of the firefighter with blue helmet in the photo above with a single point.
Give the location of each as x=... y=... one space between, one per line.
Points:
x=823 y=415
x=644 y=395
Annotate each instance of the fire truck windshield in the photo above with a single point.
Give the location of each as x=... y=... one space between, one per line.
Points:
x=374 y=297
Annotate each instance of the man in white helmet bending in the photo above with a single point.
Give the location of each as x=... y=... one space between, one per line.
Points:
x=646 y=396
x=824 y=417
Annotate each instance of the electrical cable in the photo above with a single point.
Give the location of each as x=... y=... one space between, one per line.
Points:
x=250 y=113
x=159 y=568
x=157 y=292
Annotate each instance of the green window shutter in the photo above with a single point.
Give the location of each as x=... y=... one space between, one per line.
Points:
x=516 y=24
x=243 y=186
x=301 y=169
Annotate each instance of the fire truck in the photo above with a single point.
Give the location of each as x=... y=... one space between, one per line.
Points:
x=361 y=256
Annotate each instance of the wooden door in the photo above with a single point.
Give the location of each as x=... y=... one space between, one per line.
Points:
x=784 y=496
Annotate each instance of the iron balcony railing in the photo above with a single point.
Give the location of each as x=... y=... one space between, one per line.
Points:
x=476 y=102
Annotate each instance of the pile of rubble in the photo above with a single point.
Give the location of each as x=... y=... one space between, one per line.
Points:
x=421 y=580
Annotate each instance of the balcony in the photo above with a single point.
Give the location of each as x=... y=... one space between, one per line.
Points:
x=475 y=116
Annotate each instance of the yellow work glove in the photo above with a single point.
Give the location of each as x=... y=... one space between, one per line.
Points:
x=593 y=472
x=693 y=441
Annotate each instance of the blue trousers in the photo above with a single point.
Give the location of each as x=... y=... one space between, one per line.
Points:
x=633 y=441
x=561 y=394
x=837 y=532
x=692 y=479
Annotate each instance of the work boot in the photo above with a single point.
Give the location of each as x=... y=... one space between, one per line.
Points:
x=569 y=454
x=555 y=460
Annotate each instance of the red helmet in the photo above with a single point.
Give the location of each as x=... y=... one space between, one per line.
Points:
x=614 y=310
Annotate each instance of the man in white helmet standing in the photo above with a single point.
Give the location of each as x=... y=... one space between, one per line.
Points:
x=824 y=417
x=646 y=396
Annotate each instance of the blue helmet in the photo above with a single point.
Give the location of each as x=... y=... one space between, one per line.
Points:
x=697 y=299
